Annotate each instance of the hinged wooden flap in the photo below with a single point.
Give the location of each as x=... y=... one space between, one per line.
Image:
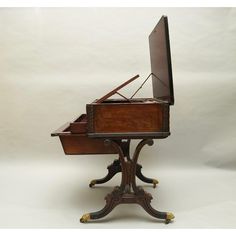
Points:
x=161 y=62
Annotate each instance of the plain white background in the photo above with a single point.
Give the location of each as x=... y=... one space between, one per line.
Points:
x=54 y=61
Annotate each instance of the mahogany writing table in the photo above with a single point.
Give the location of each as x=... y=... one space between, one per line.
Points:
x=109 y=125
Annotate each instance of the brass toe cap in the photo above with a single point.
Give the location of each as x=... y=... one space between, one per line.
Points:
x=169 y=216
x=92 y=183
x=85 y=218
x=155 y=182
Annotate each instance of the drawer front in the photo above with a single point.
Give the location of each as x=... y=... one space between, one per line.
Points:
x=74 y=145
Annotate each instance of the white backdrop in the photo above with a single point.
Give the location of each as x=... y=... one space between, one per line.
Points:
x=54 y=61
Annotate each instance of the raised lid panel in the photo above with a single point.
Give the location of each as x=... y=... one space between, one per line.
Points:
x=161 y=62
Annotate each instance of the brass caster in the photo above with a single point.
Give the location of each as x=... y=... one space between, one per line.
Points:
x=85 y=218
x=92 y=183
x=169 y=217
x=155 y=182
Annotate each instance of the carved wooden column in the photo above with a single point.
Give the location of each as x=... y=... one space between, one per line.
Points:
x=115 y=168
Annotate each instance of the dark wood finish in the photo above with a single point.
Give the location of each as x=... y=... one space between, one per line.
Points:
x=133 y=135
x=79 y=126
x=128 y=192
x=110 y=124
x=115 y=168
x=161 y=62
x=144 y=178
x=79 y=144
x=139 y=118
x=102 y=99
x=65 y=129
x=125 y=118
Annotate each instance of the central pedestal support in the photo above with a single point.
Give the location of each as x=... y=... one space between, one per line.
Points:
x=127 y=192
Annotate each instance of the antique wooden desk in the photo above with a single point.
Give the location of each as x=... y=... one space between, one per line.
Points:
x=109 y=125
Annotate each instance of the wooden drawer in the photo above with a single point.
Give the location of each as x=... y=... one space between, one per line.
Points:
x=74 y=144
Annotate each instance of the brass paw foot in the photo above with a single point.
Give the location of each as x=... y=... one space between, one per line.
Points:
x=155 y=182
x=92 y=183
x=85 y=218
x=169 y=217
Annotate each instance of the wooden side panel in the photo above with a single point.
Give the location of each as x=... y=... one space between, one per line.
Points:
x=78 y=127
x=123 y=118
x=74 y=145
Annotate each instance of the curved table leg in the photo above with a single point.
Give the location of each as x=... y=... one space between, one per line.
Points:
x=112 y=200
x=144 y=178
x=128 y=192
x=113 y=169
x=144 y=200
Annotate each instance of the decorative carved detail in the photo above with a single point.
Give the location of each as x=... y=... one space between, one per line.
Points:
x=127 y=192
